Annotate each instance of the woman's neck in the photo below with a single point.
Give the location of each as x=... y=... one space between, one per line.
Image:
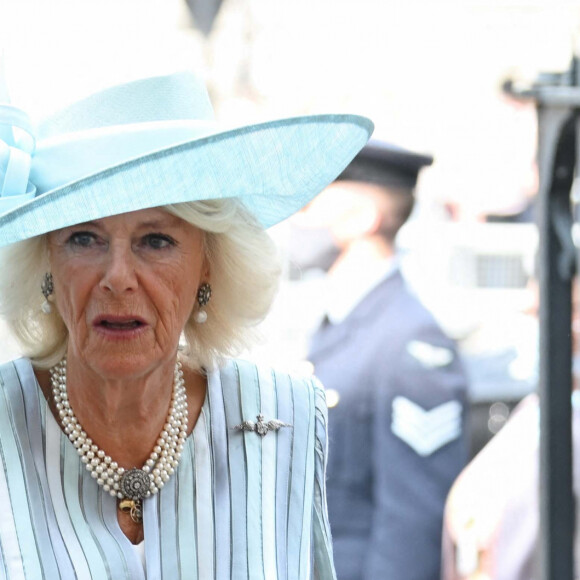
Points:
x=124 y=417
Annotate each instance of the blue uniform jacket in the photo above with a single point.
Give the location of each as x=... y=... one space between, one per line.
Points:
x=397 y=434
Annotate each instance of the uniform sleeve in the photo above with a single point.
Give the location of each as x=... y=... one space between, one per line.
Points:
x=323 y=564
x=418 y=448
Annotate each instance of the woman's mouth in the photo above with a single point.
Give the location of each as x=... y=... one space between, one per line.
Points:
x=130 y=324
x=119 y=326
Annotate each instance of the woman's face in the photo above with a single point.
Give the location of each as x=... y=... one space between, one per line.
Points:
x=125 y=287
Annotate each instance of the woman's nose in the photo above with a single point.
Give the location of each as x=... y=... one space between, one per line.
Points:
x=119 y=273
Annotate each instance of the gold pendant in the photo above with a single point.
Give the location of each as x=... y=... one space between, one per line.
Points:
x=133 y=508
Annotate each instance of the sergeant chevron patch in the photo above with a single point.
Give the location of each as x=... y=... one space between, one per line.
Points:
x=425 y=431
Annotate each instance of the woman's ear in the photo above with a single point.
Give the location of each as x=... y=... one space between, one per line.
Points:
x=47 y=253
x=205 y=270
x=205 y=265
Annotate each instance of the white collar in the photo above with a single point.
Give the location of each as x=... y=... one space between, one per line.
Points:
x=347 y=287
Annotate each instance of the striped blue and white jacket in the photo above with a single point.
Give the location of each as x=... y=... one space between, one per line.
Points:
x=240 y=506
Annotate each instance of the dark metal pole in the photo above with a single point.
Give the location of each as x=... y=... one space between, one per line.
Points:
x=558 y=101
x=557 y=514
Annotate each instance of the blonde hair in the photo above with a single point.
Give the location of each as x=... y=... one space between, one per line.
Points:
x=244 y=276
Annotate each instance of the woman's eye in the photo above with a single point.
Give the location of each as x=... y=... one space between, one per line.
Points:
x=82 y=239
x=158 y=241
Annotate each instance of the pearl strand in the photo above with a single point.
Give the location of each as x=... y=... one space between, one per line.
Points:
x=162 y=461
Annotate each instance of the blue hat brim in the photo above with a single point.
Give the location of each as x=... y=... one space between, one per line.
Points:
x=275 y=168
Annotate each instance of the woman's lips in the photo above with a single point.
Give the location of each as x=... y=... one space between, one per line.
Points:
x=119 y=326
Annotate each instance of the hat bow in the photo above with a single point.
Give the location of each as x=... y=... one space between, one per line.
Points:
x=17 y=145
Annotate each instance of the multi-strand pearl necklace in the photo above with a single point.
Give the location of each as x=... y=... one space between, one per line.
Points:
x=134 y=485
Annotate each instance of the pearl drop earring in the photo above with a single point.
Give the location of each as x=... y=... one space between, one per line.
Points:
x=203 y=296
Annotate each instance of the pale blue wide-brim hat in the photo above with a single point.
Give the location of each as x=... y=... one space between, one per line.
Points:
x=154 y=142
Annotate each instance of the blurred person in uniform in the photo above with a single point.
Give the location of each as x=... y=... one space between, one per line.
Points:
x=395 y=385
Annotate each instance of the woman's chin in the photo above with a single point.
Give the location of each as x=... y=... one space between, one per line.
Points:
x=121 y=363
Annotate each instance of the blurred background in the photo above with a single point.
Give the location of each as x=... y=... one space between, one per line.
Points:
x=429 y=74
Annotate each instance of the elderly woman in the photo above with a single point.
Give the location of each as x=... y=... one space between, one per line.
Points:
x=136 y=262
